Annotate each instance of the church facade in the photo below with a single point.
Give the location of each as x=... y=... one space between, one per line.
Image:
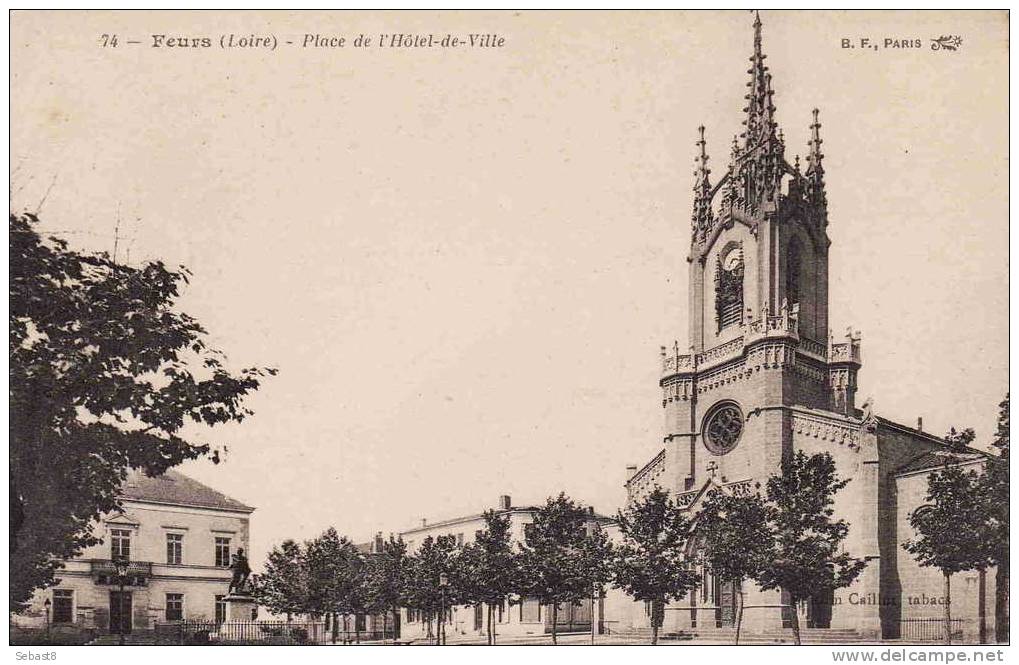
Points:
x=761 y=377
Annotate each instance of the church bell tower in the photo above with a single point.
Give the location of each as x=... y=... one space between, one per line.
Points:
x=758 y=304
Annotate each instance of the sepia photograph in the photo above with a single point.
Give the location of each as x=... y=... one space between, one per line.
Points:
x=544 y=328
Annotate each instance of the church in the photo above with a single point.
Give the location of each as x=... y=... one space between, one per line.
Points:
x=761 y=377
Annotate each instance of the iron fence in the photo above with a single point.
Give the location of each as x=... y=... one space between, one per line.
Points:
x=203 y=632
x=193 y=632
x=926 y=629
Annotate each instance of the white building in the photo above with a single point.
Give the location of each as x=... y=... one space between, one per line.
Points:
x=522 y=616
x=178 y=536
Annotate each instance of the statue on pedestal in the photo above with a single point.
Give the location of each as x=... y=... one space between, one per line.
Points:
x=241 y=572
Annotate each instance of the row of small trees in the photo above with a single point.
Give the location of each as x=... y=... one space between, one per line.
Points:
x=964 y=524
x=783 y=537
x=565 y=555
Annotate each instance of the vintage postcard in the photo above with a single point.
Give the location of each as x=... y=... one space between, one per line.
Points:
x=516 y=327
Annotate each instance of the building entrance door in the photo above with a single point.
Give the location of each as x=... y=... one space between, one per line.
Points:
x=120 y=612
x=725 y=600
x=571 y=617
x=819 y=609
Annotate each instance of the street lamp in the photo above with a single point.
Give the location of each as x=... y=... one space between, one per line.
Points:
x=591 y=528
x=47 y=604
x=443 y=583
x=120 y=565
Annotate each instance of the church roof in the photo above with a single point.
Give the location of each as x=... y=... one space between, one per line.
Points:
x=935 y=459
x=175 y=488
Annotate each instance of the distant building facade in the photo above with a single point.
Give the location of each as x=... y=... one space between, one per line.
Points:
x=761 y=378
x=520 y=616
x=178 y=536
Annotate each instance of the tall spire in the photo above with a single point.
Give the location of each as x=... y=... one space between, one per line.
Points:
x=703 y=183
x=702 y=217
x=815 y=168
x=759 y=122
x=759 y=162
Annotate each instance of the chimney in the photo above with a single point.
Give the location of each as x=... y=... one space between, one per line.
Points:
x=424 y=522
x=631 y=469
x=504 y=502
x=919 y=423
x=379 y=543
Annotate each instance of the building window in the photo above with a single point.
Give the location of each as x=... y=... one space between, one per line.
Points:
x=174 y=606
x=729 y=289
x=792 y=273
x=220 y=609
x=360 y=624
x=63 y=606
x=175 y=548
x=222 y=552
x=120 y=544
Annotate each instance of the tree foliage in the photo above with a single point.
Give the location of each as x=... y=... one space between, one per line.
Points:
x=336 y=570
x=283 y=586
x=104 y=374
x=385 y=577
x=952 y=528
x=490 y=565
x=807 y=542
x=736 y=539
x=995 y=492
x=960 y=439
x=651 y=563
x=559 y=561
x=435 y=558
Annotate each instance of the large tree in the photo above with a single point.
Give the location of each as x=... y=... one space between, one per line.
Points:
x=808 y=556
x=282 y=587
x=437 y=559
x=651 y=563
x=336 y=576
x=104 y=374
x=561 y=560
x=951 y=528
x=995 y=490
x=491 y=567
x=385 y=578
x=736 y=539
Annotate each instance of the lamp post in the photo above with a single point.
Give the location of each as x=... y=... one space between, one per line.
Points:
x=590 y=528
x=47 y=604
x=443 y=583
x=120 y=564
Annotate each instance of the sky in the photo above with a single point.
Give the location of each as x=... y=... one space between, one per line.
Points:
x=463 y=262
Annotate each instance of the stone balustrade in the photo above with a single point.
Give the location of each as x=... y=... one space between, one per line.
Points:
x=783 y=325
x=848 y=351
x=736 y=488
x=812 y=348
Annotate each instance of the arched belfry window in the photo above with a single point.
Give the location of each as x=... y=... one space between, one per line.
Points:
x=794 y=263
x=729 y=288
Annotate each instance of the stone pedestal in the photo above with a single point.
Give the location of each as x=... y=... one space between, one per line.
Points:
x=239 y=606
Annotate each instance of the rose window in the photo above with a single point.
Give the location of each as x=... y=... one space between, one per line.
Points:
x=723 y=429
